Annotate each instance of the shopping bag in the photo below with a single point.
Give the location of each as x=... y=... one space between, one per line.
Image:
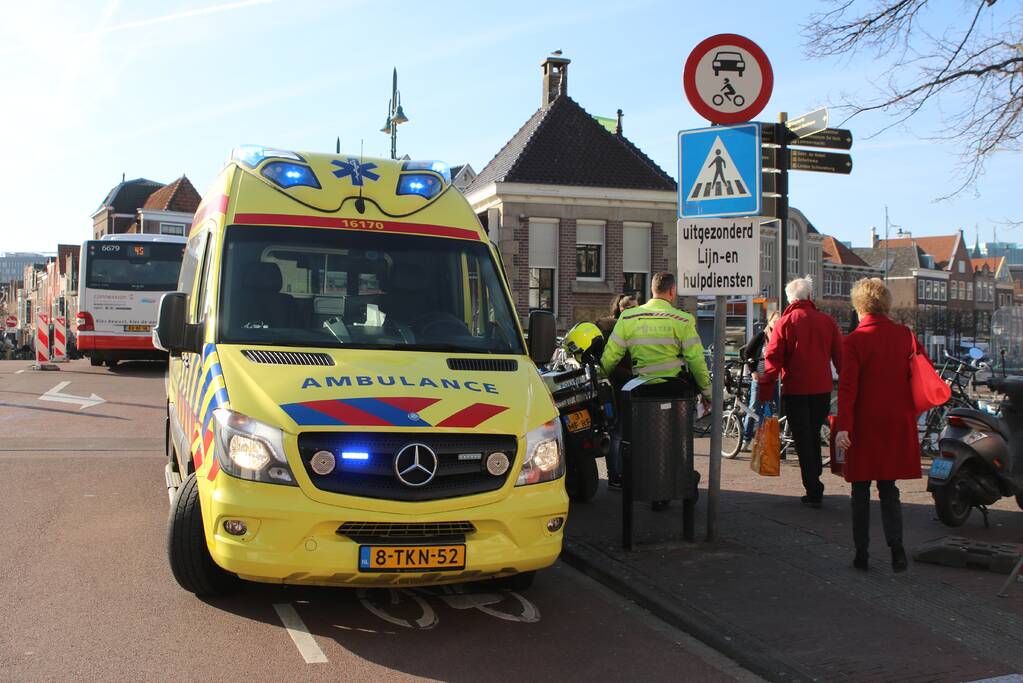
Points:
x=837 y=454
x=766 y=448
x=929 y=390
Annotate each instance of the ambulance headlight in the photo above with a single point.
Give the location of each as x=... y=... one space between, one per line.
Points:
x=545 y=455
x=250 y=449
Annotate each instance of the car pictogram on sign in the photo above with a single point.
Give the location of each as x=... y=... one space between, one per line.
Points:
x=728 y=61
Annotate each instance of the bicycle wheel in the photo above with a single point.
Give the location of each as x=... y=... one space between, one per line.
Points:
x=731 y=435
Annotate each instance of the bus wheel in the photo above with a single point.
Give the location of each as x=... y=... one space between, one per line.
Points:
x=112 y=363
x=95 y=362
x=190 y=560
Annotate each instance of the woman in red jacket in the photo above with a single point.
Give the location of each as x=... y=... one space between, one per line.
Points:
x=876 y=419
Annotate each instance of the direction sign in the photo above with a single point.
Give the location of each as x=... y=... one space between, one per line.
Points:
x=834 y=138
x=719 y=256
x=719 y=171
x=808 y=124
x=11 y=322
x=823 y=162
x=728 y=79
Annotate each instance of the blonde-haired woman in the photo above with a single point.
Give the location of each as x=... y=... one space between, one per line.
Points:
x=876 y=419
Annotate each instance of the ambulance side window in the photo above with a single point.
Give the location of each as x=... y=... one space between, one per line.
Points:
x=199 y=310
x=190 y=262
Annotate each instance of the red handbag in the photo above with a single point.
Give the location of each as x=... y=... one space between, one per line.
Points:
x=929 y=389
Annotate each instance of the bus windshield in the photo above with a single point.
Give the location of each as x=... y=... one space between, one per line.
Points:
x=133 y=266
x=328 y=288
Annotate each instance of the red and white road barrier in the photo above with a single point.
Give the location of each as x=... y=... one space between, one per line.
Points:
x=42 y=338
x=60 y=339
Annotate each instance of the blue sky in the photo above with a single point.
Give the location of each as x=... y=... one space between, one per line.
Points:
x=156 y=89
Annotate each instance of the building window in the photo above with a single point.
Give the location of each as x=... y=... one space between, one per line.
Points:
x=969 y=291
x=541 y=289
x=943 y=291
x=793 y=260
x=636 y=259
x=172 y=229
x=635 y=283
x=767 y=255
x=962 y=266
x=920 y=290
x=589 y=250
x=543 y=263
x=928 y=290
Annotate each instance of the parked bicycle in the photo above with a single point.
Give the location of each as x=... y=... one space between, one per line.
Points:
x=737 y=387
x=959 y=374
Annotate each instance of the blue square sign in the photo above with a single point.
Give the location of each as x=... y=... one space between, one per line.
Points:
x=719 y=171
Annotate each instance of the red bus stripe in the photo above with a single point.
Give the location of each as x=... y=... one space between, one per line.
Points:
x=473 y=416
x=112 y=341
x=365 y=225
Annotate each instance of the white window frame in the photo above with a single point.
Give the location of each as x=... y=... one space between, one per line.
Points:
x=182 y=226
x=555 y=226
x=591 y=242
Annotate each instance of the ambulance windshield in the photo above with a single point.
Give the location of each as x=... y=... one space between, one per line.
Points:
x=324 y=288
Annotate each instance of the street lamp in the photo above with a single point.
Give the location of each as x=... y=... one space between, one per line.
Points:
x=395 y=116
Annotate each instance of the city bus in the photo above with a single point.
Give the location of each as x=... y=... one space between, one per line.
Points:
x=121 y=280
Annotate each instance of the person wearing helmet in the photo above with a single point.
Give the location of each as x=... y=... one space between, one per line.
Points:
x=661 y=341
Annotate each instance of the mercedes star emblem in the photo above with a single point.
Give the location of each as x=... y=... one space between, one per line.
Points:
x=416 y=464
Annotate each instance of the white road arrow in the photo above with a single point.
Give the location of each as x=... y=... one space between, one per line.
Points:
x=55 y=395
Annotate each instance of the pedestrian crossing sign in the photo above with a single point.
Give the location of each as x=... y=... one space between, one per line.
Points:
x=719 y=171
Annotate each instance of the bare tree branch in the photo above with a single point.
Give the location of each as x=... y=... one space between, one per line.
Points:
x=971 y=74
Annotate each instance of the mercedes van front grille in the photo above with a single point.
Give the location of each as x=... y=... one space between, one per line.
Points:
x=405 y=530
x=364 y=463
x=287 y=357
x=484 y=364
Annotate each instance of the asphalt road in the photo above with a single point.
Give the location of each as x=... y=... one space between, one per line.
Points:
x=86 y=593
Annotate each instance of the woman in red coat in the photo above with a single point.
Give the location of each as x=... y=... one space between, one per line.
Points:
x=876 y=419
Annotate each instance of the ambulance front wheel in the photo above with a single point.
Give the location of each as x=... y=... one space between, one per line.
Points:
x=582 y=479
x=190 y=560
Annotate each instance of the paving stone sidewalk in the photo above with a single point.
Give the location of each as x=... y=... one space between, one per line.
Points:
x=778 y=594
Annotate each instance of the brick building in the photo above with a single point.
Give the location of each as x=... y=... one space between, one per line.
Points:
x=578 y=211
x=143 y=205
x=841 y=268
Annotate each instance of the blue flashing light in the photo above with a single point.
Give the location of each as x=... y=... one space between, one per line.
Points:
x=354 y=455
x=287 y=174
x=422 y=184
x=253 y=155
x=438 y=167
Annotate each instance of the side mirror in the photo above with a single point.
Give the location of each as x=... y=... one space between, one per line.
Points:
x=171 y=327
x=543 y=330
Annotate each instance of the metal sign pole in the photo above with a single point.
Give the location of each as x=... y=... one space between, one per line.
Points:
x=717 y=406
x=783 y=211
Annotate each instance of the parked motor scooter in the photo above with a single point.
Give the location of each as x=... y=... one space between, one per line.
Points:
x=585 y=401
x=981 y=458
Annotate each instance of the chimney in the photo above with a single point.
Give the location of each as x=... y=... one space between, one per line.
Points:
x=618 y=128
x=873 y=237
x=555 y=79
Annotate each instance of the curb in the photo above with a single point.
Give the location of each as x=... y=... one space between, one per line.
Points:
x=703 y=626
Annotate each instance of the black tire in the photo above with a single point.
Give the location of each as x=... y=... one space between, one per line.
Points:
x=112 y=363
x=95 y=362
x=515 y=582
x=952 y=502
x=190 y=560
x=1019 y=500
x=582 y=479
x=731 y=435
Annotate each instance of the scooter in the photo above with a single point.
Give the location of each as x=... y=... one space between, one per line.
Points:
x=585 y=402
x=981 y=456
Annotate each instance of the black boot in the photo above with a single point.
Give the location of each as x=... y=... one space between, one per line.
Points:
x=899 y=561
x=861 y=560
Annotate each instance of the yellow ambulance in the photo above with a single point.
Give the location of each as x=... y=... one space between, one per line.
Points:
x=350 y=400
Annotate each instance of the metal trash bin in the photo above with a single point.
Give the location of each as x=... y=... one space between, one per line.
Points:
x=657 y=448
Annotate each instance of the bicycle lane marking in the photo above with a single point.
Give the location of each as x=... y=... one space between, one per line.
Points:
x=296 y=628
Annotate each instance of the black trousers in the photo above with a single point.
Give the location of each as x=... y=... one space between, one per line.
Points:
x=806 y=414
x=891 y=513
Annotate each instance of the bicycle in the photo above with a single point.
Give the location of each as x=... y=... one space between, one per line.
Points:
x=954 y=371
x=733 y=427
